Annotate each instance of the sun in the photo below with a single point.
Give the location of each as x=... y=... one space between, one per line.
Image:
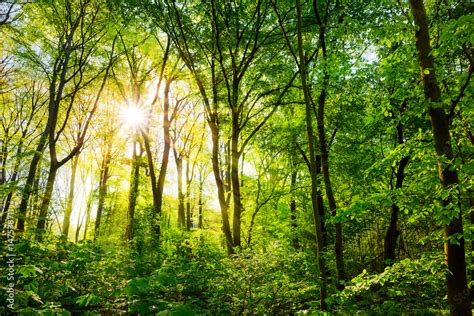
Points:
x=133 y=117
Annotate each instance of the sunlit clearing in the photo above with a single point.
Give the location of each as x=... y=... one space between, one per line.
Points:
x=133 y=116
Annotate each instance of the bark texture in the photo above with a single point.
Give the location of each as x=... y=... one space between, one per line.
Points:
x=458 y=292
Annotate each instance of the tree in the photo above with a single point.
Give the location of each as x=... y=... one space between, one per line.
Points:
x=458 y=292
x=76 y=43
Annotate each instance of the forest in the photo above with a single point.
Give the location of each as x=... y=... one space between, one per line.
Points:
x=236 y=157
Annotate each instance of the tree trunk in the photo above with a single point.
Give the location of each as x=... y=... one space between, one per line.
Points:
x=312 y=161
x=471 y=215
x=201 y=182
x=30 y=180
x=104 y=177
x=221 y=189
x=133 y=195
x=3 y=158
x=46 y=201
x=187 y=197
x=164 y=162
x=458 y=292
x=294 y=221
x=181 y=214
x=320 y=201
x=16 y=169
x=235 y=155
x=70 y=199
x=391 y=237
x=88 y=216
x=154 y=184
x=80 y=219
x=323 y=147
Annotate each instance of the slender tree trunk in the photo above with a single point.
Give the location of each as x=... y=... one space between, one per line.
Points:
x=16 y=169
x=164 y=161
x=221 y=189
x=312 y=161
x=181 y=214
x=458 y=292
x=187 y=197
x=293 y=217
x=88 y=216
x=30 y=180
x=320 y=201
x=70 y=199
x=3 y=159
x=104 y=177
x=133 y=195
x=471 y=217
x=43 y=215
x=393 y=232
x=228 y=171
x=80 y=221
x=235 y=155
x=201 y=183
x=154 y=185
x=323 y=147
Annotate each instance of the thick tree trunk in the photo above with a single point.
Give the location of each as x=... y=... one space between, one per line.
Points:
x=70 y=198
x=391 y=237
x=458 y=292
x=133 y=194
x=312 y=161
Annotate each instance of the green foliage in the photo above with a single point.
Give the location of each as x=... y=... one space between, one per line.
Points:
x=197 y=278
x=64 y=276
x=229 y=63
x=413 y=286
